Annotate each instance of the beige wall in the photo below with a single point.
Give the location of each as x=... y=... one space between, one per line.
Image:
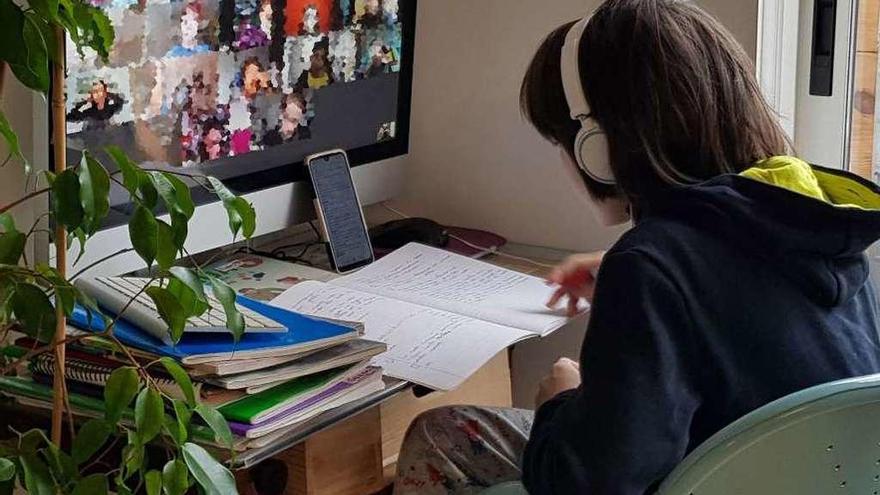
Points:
x=18 y=106
x=474 y=161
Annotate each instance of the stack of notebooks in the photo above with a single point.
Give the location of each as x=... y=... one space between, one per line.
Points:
x=425 y=315
x=265 y=384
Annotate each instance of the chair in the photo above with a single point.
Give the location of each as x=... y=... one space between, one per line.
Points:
x=512 y=488
x=823 y=440
x=820 y=441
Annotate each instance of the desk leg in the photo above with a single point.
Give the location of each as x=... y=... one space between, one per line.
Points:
x=344 y=460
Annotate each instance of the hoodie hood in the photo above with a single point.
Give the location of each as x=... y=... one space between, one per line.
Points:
x=812 y=223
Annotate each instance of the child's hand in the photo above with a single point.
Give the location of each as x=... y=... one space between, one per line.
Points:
x=565 y=375
x=575 y=279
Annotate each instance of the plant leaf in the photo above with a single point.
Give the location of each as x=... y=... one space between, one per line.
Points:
x=95 y=484
x=80 y=236
x=66 y=19
x=174 y=430
x=65 y=292
x=184 y=196
x=12 y=246
x=143 y=229
x=149 y=414
x=180 y=226
x=210 y=474
x=178 y=427
x=189 y=291
x=7 y=469
x=12 y=241
x=47 y=9
x=37 y=479
x=133 y=454
x=10 y=35
x=242 y=217
x=149 y=195
x=182 y=378
x=174 y=193
x=9 y=135
x=32 y=66
x=217 y=422
x=65 y=199
x=226 y=296
x=175 y=479
x=130 y=172
x=47 y=31
x=100 y=34
x=166 y=248
x=92 y=435
x=153 y=480
x=122 y=386
x=30 y=441
x=248 y=216
x=170 y=311
x=61 y=465
x=94 y=187
x=34 y=311
x=93 y=27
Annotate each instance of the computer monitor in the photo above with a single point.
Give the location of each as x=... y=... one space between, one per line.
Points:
x=243 y=90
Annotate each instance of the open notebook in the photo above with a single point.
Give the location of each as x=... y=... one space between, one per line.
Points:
x=442 y=315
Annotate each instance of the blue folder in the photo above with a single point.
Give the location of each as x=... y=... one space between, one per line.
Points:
x=304 y=334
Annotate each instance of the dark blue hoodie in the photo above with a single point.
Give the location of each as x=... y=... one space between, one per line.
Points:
x=724 y=297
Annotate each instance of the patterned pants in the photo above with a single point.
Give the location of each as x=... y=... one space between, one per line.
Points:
x=462 y=450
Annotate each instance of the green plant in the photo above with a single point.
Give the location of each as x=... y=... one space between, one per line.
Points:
x=36 y=298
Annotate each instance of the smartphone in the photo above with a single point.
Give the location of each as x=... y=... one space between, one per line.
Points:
x=339 y=211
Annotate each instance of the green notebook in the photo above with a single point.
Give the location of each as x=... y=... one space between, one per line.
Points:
x=254 y=408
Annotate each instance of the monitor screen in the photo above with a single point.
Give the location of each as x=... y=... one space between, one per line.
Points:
x=245 y=89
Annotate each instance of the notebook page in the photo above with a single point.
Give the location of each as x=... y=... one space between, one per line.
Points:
x=427 y=346
x=439 y=279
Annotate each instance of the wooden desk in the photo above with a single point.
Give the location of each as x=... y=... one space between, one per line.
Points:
x=358 y=455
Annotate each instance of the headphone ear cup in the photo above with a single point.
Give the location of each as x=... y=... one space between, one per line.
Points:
x=593 y=156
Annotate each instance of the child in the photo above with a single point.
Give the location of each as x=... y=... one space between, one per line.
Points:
x=742 y=280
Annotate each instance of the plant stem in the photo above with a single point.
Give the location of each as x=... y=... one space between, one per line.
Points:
x=59 y=131
x=102 y=260
x=39 y=192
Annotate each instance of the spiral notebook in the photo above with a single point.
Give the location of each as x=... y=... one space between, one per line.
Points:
x=96 y=372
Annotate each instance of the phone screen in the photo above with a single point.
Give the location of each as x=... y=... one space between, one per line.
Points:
x=342 y=215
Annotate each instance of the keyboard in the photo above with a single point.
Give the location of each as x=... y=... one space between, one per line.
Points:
x=114 y=293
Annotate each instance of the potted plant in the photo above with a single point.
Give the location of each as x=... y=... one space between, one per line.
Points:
x=36 y=298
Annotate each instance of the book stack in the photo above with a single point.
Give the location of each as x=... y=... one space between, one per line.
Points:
x=264 y=385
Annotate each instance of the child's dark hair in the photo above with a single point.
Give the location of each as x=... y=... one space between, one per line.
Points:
x=674 y=92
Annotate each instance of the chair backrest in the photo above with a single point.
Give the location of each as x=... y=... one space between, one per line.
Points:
x=823 y=440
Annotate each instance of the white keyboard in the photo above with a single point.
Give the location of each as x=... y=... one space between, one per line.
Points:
x=114 y=293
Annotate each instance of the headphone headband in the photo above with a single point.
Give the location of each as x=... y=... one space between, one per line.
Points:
x=591 y=144
x=571 y=71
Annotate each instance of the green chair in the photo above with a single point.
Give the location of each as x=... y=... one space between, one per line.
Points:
x=823 y=440
x=512 y=488
x=820 y=441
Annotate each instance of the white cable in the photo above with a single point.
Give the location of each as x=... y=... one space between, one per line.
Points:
x=492 y=249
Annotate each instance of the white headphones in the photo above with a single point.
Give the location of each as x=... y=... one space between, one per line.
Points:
x=591 y=144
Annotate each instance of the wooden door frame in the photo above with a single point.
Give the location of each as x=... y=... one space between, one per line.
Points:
x=863 y=145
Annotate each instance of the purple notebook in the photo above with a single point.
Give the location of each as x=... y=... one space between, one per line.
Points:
x=242 y=429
